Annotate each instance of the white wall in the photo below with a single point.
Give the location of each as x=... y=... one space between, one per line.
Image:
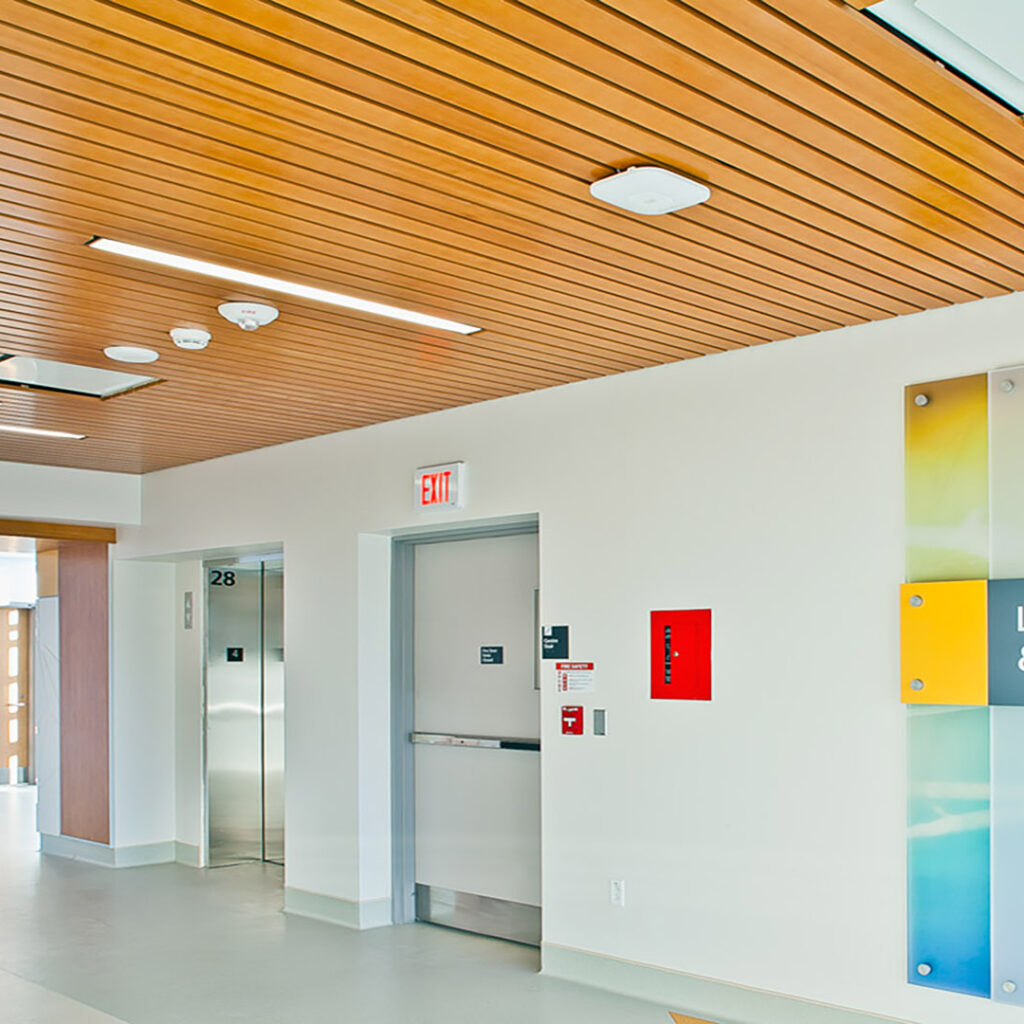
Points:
x=761 y=835
x=142 y=699
x=52 y=493
x=188 y=707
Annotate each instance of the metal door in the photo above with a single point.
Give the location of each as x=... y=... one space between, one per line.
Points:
x=476 y=736
x=245 y=712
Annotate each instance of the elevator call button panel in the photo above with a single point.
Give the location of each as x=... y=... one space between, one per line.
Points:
x=681 y=655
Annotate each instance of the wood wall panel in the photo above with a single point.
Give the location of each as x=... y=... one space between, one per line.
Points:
x=435 y=154
x=84 y=691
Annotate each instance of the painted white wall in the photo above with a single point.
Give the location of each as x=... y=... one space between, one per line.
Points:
x=142 y=702
x=188 y=705
x=18 y=578
x=53 y=493
x=761 y=835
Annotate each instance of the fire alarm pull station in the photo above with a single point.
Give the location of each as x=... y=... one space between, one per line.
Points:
x=681 y=655
x=572 y=720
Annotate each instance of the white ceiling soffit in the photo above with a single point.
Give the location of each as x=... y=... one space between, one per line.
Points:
x=980 y=39
x=76 y=380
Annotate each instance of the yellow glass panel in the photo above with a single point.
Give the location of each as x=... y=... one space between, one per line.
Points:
x=944 y=642
x=947 y=479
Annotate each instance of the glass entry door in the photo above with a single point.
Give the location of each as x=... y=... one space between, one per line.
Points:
x=15 y=627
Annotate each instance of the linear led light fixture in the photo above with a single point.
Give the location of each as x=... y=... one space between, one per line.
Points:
x=36 y=432
x=275 y=284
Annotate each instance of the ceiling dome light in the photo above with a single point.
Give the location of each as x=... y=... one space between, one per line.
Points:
x=650 y=191
x=192 y=338
x=248 y=315
x=131 y=354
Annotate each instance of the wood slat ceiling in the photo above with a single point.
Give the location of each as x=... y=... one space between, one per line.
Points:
x=436 y=155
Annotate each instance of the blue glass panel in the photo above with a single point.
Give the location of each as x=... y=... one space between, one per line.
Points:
x=1006 y=642
x=948 y=849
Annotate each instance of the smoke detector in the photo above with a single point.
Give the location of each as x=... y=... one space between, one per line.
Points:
x=190 y=337
x=248 y=315
x=650 y=191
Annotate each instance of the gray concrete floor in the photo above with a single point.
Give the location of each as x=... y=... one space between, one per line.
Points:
x=170 y=945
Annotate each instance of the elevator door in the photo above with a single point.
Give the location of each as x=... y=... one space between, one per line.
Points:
x=245 y=712
x=476 y=736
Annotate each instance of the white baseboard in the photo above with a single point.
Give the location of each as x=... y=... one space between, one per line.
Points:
x=692 y=995
x=107 y=856
x=348 y=913
x=187 y=854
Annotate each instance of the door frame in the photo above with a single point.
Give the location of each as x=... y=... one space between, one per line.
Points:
x=403 y=777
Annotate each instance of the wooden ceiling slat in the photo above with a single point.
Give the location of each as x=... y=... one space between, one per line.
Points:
x=475 y=357
x=885 y=107
x=761 y=303
x=608 y=354
x=472 y=52
x=546 y=350
x=741 y=139
x=75 y=229
x=301 y=345
x=388 y=88
x=867 y=45
x=281 y=118
x=436 y=154
x=25 y=308
x=689 y=337
x=706 y=52
x=708 y=323
x=117 y=130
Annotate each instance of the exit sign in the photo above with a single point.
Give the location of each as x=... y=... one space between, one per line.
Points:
x=439 y=486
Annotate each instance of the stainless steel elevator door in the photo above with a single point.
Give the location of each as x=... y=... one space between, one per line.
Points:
x=245 y=713
x=477 y=833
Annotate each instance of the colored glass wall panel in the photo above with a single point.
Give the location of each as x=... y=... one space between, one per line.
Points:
x=943 y=648
x=1006 y=469
x=947 y=479
x=1008 y=854
x=948 y=879
x=1006 y=643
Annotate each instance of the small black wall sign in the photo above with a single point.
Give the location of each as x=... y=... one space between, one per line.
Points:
x=554 y=642
x=492 y=655
x=236 y=654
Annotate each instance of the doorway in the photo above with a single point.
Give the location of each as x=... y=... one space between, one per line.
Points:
x=466 y=721
x=244 y=710
x=15 y=739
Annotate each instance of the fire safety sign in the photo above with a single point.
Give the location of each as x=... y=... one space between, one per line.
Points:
x=574 y=676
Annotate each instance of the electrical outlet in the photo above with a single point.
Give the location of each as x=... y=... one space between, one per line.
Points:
x=617 y=892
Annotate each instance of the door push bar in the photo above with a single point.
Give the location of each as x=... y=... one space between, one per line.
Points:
x=438 y=739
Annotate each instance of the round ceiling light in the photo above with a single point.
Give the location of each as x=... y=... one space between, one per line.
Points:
x=131 y=354
x=248 y=315
x=190 y=337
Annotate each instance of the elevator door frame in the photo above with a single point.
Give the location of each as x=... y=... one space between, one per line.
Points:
x=403 y=776
x=218 y=561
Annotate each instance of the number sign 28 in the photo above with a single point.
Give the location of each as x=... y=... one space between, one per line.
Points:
x=221 y=579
